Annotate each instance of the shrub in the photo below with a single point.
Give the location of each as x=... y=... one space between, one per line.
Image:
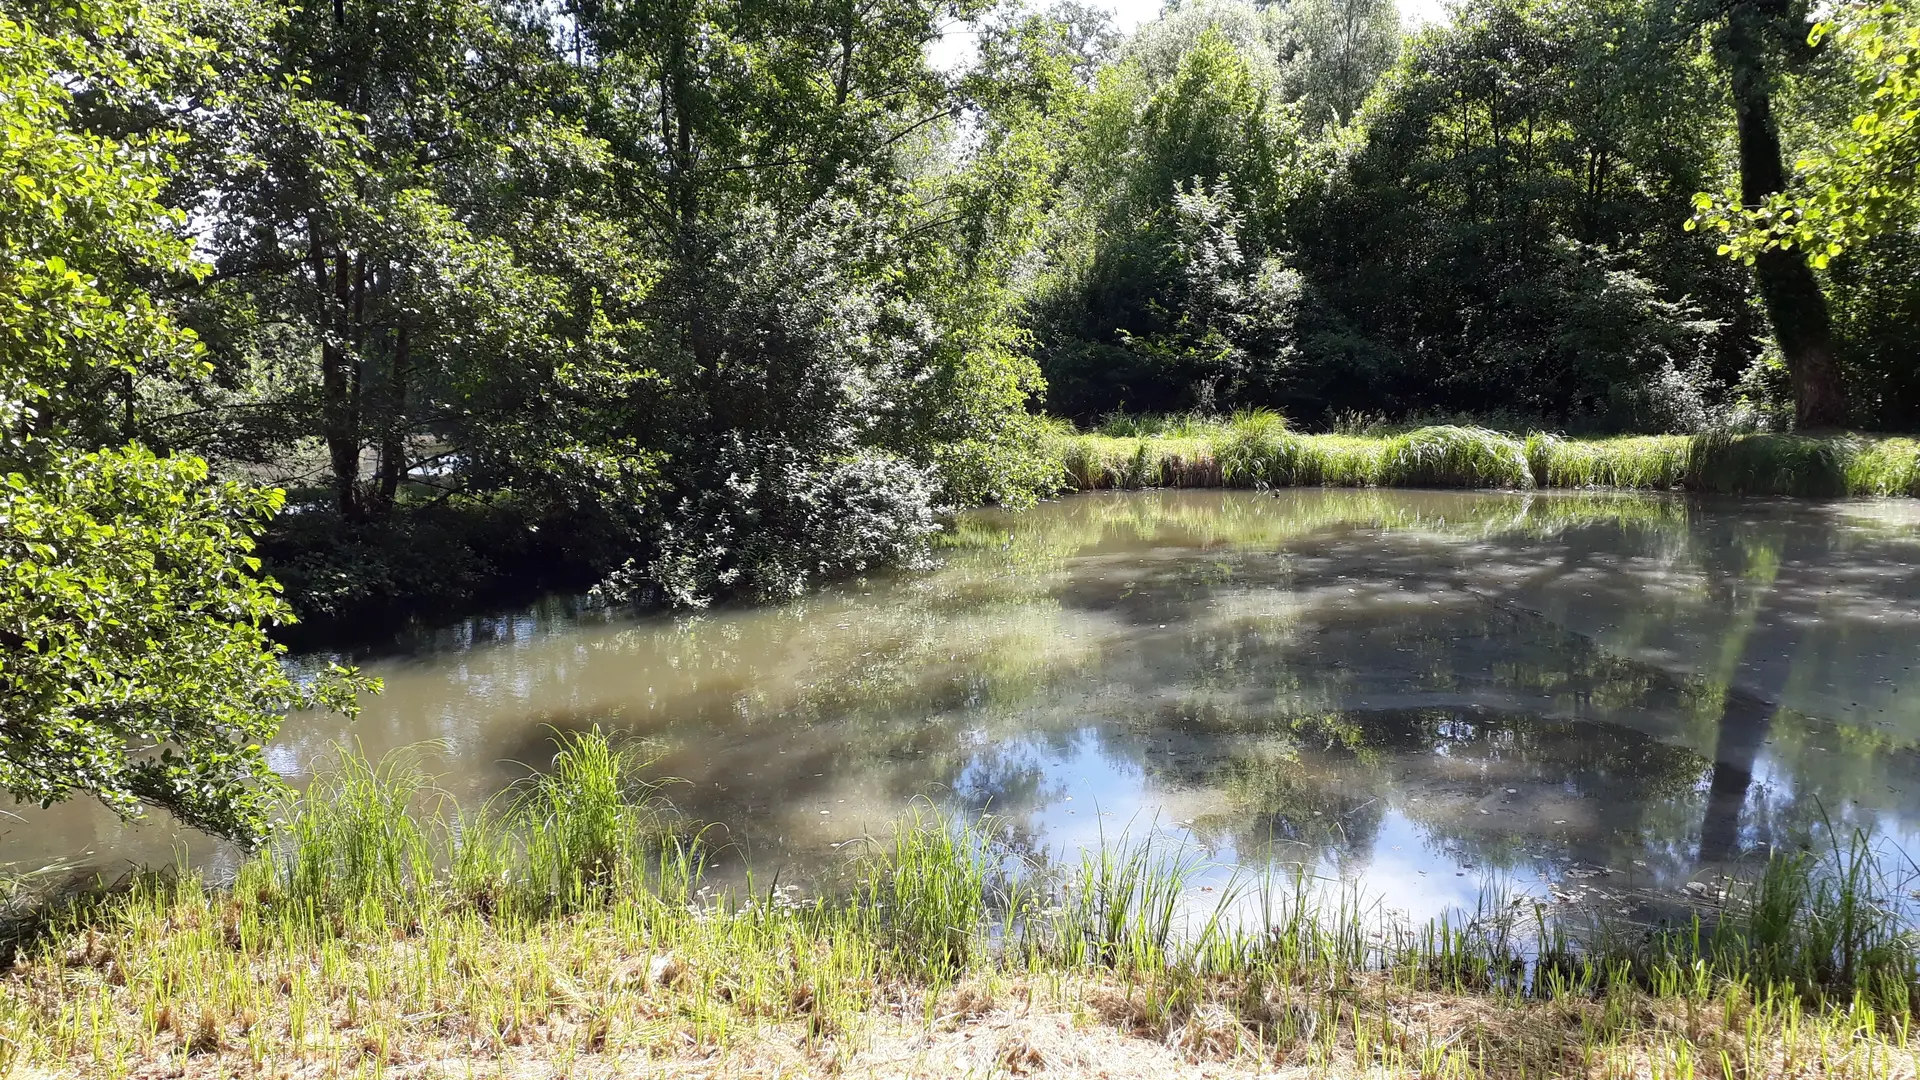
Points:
x=769 y=523
x=427 y=560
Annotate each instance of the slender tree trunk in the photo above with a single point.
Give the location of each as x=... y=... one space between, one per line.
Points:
x=337 y=420
x=1794 y=302
x=393 y=447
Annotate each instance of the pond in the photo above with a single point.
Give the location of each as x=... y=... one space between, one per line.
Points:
x=1587 y=698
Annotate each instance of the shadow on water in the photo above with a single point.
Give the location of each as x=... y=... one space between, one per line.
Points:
x=1430 y=690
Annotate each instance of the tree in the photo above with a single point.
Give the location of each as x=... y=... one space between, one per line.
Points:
x=136 y=664
x=1753 y=39
x=1861 y=182
x=1168 y=285
x=829 y=328
x=409 y=214
x=1346 y=46
x=1506 y=228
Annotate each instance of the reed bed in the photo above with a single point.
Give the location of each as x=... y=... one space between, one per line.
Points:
x=1258 y=450
x=569 y=929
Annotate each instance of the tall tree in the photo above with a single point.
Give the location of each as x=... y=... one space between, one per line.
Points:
x=406 y=209
x=1347 y=45
x=1860 y=180
x=1508 y=227
x=770 y=148
x=1754 y=40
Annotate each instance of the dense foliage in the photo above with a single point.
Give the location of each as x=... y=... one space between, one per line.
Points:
x=1507 y=226
x=136 y=666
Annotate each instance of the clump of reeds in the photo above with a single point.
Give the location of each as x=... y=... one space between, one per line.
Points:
x=1257 y=449
x=1823 y=924
x=1767 y=465
x=1645 y=462
x=927 y=889
x=1455 y=457
x=1885 y=467
x=1119 y=906
x=355 y=841
x=589 y=826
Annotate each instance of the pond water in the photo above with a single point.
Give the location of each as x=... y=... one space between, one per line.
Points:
x=1592 y=697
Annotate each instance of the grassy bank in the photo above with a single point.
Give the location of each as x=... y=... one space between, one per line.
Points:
x=570 y=932
x=1257 y=450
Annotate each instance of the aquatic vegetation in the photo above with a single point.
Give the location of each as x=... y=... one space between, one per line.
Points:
x=1886 y=467
x=1455 y=457
x=1642 y=462
x=1767 y=465
x=1258 y=450
x=363 y=943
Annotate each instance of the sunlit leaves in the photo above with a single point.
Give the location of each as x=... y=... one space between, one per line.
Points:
x=134 y=659
x=138 y=667
x=1862 y=181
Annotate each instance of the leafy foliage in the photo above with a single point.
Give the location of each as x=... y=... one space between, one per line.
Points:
x=1859 y=182
x=137 y=667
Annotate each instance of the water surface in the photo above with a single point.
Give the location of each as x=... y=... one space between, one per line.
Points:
x=1589 y=697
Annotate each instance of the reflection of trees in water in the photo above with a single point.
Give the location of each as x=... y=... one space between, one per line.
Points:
x=1146 y=620
x=1812 y=710
x=1323 y=791
x=1276 y=611
x=1196 y=633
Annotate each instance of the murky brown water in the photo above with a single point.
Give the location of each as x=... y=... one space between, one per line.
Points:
x=1425 y=690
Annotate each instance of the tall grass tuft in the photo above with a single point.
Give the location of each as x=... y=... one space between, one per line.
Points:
x=1455 y=457
x=1767 y=465
x=1257 y=452
x=926 y=888
x=590 y=825
x=1644 y=462
x=355 y=841
x=1825 y=923
x=1886 y=467
x=1121 y=906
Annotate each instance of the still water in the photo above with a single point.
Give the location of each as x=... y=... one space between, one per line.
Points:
x=1593 y=698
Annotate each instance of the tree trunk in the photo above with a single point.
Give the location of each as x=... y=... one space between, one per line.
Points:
x=393 y=445
x=338 y=422
x=1791 y=293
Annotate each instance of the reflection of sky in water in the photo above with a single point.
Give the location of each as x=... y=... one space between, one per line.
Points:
x=1424 y=696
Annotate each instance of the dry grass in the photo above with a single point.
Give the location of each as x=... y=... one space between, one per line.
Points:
x=585 y=996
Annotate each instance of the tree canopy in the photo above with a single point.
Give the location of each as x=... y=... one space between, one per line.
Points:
x=1855 y=182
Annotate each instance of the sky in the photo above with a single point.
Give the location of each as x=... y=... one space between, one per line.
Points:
x=1128 y=14
x=957 y=47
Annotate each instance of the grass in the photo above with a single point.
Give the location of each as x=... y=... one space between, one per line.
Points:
x=568 y=930
x=1258 y=450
